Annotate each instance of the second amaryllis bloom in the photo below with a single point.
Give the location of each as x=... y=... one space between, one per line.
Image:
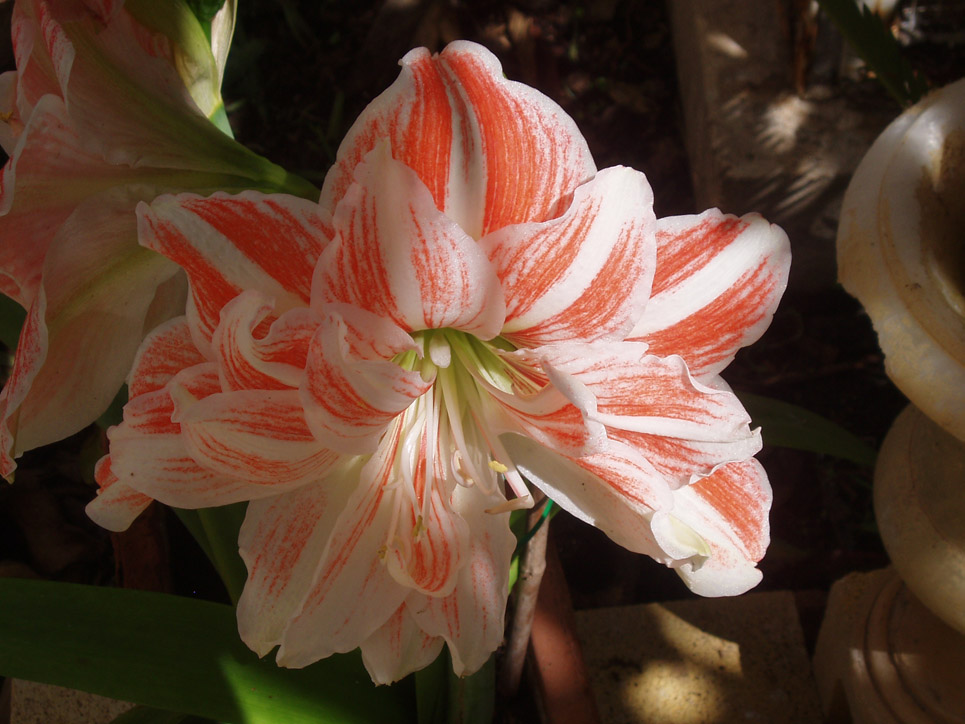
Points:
x=471 y=308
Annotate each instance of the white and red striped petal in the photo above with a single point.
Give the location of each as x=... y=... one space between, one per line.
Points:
x=398 y=648
x=719 y=279
x=728 y=510
x=431 y=540
x=683 y=427
x=617 y=491
x=228 y=244
x=396 y=255
x=585 y=275
x=352 y=594
x=166 y=351
x=472 y=618
x=258 y=436
x=281 y=542
x=352 y=389
x=117 y=504
x=275 y=361
x=492 y=152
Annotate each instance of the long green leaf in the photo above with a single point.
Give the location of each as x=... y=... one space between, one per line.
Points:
x=786 y=425
x=870 y=39
x=176 y=654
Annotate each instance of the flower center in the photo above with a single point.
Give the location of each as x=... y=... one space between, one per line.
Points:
x=468 y=371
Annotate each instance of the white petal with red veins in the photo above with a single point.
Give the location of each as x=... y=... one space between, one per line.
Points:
x=352 y=390
x=396 y=255
x=352 y=594
x=398 y=648
x=492 y=152
x=472 y=618
x=227 y=244
x=282 y=541
x=718 y=281
x=585 y=275
x=728 y=510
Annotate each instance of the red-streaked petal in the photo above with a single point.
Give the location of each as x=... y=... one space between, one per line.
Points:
x=617 y=491
x=164 y=353
x=275 y=361
x=11 y=125
x=728 y=510
x=719 y=279
x=585 y=275
x=396 y=255
x=398 y=648
x=80 y=342
x=491 y=152
x=48 y=176
x=227 y=244
x=472 y=618
x=148 y=451
x=117 y=504
x=254 y=435
x=282 y=541
x=35 y=69
x=352 y=390
x=28 y=359
x=683 y=427
x=352 y=594
x=431 y=541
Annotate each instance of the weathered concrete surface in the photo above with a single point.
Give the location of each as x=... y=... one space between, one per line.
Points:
x=754 y=143
x=707 y=661
x=33 y=703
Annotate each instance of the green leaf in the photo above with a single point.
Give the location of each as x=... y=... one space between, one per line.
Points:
x=867 y=35
x=176 y=654
x=786 y=425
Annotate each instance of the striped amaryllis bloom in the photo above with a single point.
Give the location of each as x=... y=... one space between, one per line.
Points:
x=471 y=308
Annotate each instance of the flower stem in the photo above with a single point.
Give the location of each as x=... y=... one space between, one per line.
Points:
x=527 y=591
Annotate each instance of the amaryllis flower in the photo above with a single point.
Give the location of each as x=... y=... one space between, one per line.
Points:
x=470 y=309
x=109 y=105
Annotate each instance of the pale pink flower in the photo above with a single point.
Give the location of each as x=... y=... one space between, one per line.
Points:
x=109 y=105
x=471 y=306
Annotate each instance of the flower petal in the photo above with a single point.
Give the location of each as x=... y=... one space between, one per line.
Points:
x=274 y=361
x=352 y=594
x=617 y=491
x=148 y=453
x=79 y=344
x=352 y=390
x=47 y=176
x=430 y=541
x=164 y=353
x=282 y=541
x=398 y=648
x=585 y=275
x=227 y=244
x=258 y=436
x=728 y=510
x=719 y=279
x=472 y=618
x=396 y=255
x=117 y=504
x=491 y=152
x=683 y=427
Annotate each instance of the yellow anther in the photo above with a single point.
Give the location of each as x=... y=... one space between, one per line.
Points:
x=497 y=466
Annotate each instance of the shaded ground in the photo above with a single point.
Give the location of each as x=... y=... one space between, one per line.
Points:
x=300 y=73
